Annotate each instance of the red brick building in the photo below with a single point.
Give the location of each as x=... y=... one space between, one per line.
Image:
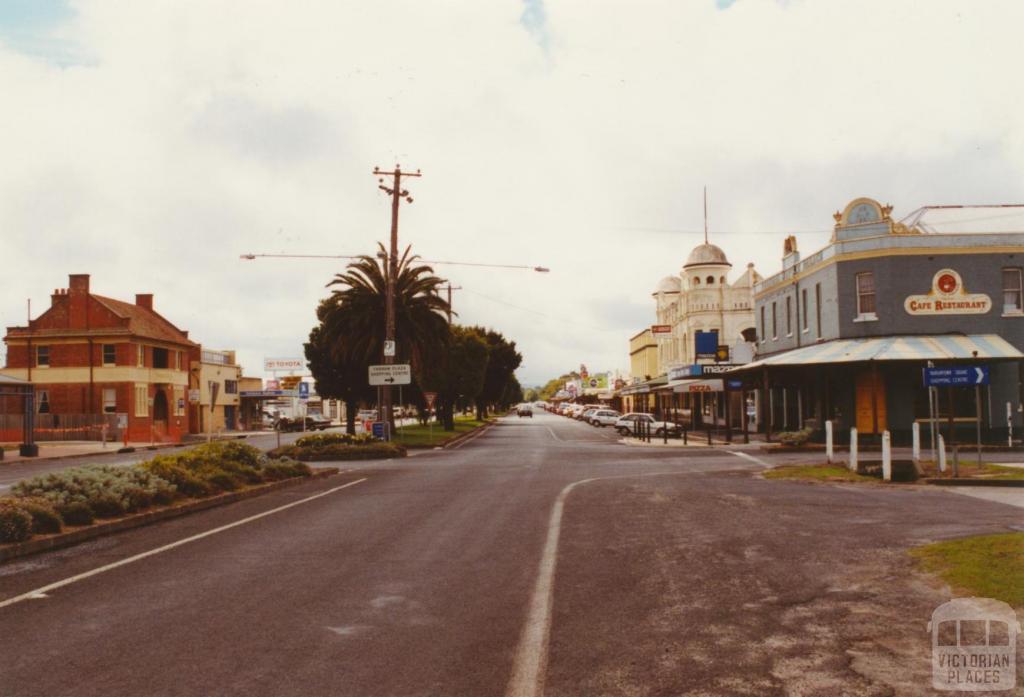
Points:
x=96 y=358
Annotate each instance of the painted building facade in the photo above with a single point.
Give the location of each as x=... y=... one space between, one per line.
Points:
x=216 y=368
x=844 y=333
x=92 y=356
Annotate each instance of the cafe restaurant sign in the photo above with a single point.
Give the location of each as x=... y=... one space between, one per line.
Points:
x=948 y=297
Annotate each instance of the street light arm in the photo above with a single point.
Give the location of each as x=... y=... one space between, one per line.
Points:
x=538 y=269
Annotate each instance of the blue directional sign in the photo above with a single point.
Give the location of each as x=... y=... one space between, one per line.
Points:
x=735 y=384
x=303 y=390
x=380 y=429
x=956 y=376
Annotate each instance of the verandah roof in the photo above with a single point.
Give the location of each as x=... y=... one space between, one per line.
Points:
x=895 y=348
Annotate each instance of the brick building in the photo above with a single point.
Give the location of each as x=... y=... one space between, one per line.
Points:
x=93 y=358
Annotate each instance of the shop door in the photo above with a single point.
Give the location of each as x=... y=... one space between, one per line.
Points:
x=229 y=417
x=866 y=405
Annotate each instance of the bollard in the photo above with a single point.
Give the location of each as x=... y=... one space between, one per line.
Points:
x=942 y=454
x=886 y=456
x=915 y=432
x=853 y=449
x=684 y=436
x=956 y=460
x=664 y=433
x=709 y=435
x=829 y=455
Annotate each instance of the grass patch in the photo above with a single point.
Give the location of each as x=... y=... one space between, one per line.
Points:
x=420 y=436
x=972 y=470
x=990 y=566
x=817 y=473
x=339 y=452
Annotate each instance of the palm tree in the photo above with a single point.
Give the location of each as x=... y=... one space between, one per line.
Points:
x=356 y=319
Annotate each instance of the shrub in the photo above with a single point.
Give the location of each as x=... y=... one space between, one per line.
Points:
x=322 y=439
x=796 y=438
x=285 y=468
x=107 y=490
x=77 y=513
x=45 y=518
x=15 y=522
x=337 y=453
x=170 y=468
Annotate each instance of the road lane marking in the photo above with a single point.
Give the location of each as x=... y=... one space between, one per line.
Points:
x=530 y=666
x=750 y=457
x=529 y=669
x=553 y=434
x=40 y=592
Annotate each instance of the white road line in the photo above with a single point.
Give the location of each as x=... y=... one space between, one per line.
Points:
x=529 y=669
x=40 y=592
x=553 y=434
x=751 y=458
x=530 y=666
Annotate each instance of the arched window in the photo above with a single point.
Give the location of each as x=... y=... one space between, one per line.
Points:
x=722 y=280
x=711 y=280
x=696 y=281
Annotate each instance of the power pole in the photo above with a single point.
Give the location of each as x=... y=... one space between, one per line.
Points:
x=450 y=288
x=397 y=193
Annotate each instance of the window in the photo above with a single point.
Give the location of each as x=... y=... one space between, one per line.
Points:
x=789 y=315
x=775 y=322
x=710 y=280
x=817 y=307
x=1012 y=300
x=109 y=354
x=764 y=327
x=43 y=401
x=179 y=401
x=231 y=387
x=160 y=358
x=142 y=399
x=109 y=400
x=42 y=356
x=803 y=309
x=140 y=359
x=866 y=295
x=696 y=281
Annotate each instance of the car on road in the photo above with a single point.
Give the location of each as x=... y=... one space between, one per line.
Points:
x=524 y=410
x=604 y=417
x=587 y=413
x=626 y=425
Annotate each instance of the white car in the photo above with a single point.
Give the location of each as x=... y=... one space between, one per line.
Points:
x=604 y=417
x=626 y=425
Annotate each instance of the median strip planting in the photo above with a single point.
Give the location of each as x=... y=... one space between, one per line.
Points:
x=78 y=496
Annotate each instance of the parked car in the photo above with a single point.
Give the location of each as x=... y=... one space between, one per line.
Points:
x=626 y=425
x=525 y=410
x=587 y=413
x=604 y=417
x=317 y=422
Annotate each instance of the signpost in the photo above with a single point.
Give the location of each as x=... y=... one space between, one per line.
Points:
x=304 y=390
x=959 y=376
x=429 y=398
x=392 y=374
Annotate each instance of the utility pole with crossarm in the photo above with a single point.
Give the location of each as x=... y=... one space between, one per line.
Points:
x=397 y=193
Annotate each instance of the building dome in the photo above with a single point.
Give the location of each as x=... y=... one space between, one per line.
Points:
x=706 y=255
x=669 y=284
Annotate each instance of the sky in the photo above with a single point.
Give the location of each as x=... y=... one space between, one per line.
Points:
x=150 y=144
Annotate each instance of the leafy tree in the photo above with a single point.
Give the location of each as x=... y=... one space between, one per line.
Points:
x=357 y=315
x=337 y=375
x=552 y=387
x=503 y=359
x=457 y=373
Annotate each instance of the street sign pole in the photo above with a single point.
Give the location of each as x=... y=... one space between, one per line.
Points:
x=977 y=413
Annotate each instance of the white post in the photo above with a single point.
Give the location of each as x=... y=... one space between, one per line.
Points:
x=853 y=449
x=828 y=442
x=915 y=430
x=887 y=456
x=1009 y=425
x=942 y=453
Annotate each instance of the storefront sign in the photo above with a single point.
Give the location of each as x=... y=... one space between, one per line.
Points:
x=272 y=364
x=948 y=297
x=712 y=385
x=661 y=329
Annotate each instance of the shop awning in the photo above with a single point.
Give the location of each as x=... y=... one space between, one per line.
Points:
x=895 y=348
x=645 y=387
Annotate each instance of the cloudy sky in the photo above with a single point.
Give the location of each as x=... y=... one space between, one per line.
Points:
x=151 y=143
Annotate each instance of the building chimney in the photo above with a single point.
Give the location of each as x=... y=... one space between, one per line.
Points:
x=144 y=300
x=57 y=295
x=790 y=255
x=78 y=283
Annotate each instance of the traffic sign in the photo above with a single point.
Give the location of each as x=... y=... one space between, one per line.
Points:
x=395 y=374
x=303 y=390
x=389 y=348
x=429 y=398
x=380 y=429
x=956 y=376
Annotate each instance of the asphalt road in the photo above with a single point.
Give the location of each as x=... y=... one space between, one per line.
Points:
x=541 y=558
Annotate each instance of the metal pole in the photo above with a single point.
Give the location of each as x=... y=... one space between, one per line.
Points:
x=977 y=406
